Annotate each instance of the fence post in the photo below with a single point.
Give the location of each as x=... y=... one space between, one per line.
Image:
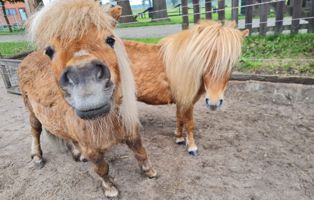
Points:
x=235 y=10
x=196 y=10
x=248 y=14
x=208 y=9
x=279 y=16
x=263 y=17
x=221 y=10
x=296 y=13
x=185 y=14
x=5 y=76
x=311 y=21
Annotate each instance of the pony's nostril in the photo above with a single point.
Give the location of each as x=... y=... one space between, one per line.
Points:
x=207 y=101
x=221 y=101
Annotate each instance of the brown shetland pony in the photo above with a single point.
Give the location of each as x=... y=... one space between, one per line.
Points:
x=82 y=89
x=183 y=67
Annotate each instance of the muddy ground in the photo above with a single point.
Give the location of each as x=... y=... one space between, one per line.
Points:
x=260 y=146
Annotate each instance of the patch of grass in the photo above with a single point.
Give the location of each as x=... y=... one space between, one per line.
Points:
x=174 y=18
x=8 y=49
x=6 y=31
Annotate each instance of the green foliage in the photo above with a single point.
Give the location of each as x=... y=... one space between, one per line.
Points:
x=8 y=49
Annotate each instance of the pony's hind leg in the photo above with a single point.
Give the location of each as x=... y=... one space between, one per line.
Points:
x=189 y=125
x=36 y=152
x=136 y=145
x=179 y=127
x=102 y=169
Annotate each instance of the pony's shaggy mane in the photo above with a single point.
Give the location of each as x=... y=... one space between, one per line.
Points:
x=188 y=54
x=68 y=20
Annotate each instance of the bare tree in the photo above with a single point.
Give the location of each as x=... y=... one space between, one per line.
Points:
x=32 y=5
x=127 y=15
x=160 y=10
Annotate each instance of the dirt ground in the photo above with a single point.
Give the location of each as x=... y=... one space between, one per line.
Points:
x=259 y=146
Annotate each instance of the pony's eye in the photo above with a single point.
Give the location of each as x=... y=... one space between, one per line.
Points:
x=110 y=41
x=49 y=51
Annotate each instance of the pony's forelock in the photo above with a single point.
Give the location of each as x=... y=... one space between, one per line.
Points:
x=67 y=20
x=206 y=47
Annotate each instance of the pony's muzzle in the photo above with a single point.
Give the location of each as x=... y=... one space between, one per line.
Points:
x=214 y=105
x=88 y=88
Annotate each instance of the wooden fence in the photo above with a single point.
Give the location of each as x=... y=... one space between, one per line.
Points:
x=292 y=15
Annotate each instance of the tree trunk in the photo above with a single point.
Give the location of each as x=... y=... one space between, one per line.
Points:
x=32 y=5
x=5 y=15
x=127 y=15
x=160 y=10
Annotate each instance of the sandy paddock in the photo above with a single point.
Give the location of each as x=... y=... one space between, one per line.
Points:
x=259 y=147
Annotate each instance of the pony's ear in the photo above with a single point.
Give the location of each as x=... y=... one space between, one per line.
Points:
x=245 y=33
x=115 y=12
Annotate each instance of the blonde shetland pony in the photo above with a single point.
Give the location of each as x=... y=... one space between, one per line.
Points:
x=183 y=67
x=79 y=86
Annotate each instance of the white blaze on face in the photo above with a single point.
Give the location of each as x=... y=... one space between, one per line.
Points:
x=81 y=53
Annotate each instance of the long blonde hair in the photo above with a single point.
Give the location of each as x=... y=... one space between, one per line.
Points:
x=188 y=54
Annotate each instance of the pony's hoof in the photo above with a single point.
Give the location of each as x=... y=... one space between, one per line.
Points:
x=83 y=159
x=111 y=192
x=180 y=141
x=193 y=153
x=38 y=162
x=151 y=173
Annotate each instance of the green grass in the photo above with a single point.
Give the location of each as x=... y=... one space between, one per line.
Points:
x=173 y=19
x=15 y=31
x=8 y=49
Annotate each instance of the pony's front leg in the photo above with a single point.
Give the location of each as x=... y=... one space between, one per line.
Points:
x=36 y=152
x=135 y=144
x=179 y=127
x=102 y=169
x=189 y=124
x=75 y=150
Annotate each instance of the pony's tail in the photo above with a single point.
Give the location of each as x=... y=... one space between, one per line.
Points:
x=128 y=109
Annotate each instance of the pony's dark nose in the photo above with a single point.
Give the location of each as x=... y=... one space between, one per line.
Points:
x=213 y=106
x=94 y=71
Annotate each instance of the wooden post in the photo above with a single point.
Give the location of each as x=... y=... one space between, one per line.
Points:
x=296 y=13
x=248 y=15
x=263 y=17
x=185 y=14
x=311 y=21
x=208 y=9
x=5 y=76
x=279 y=16
x=221 y=10
x=235 y=10
x=196 y=10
